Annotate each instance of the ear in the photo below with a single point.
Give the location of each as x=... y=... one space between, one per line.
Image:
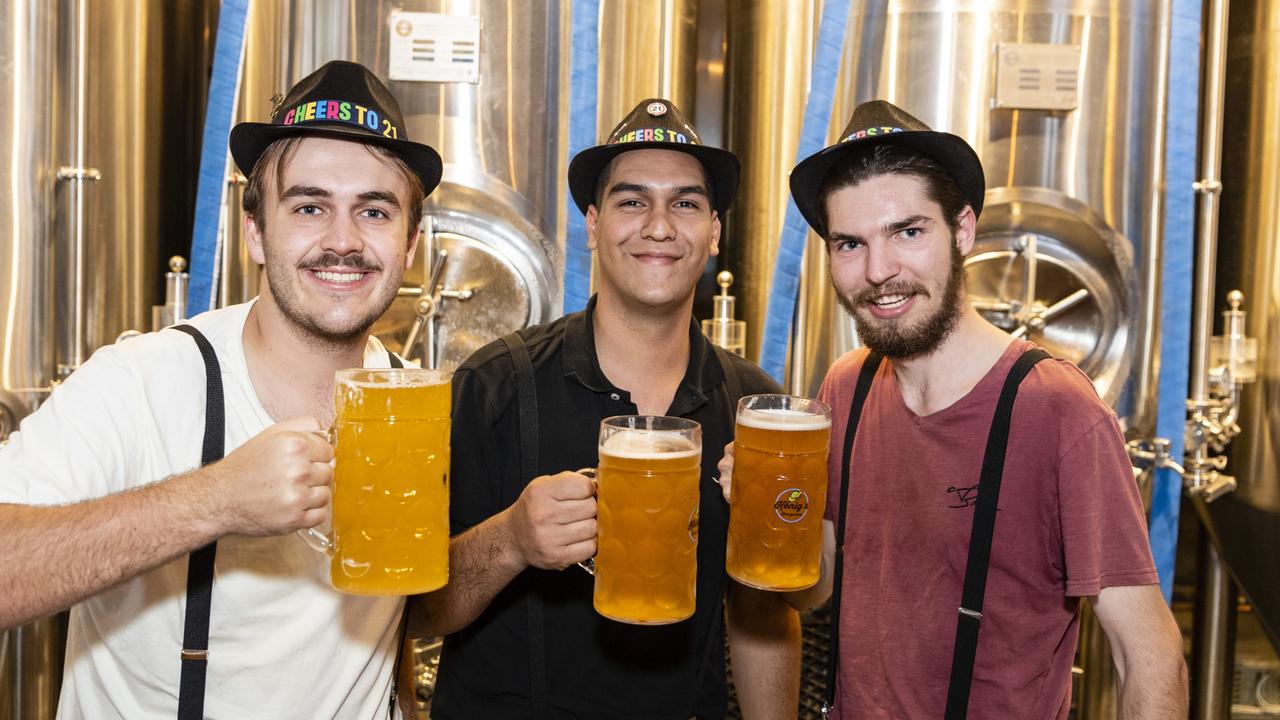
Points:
x=714 y=248
x=592 y=216
x=413 y=247
x=253 y=240
x=966 y=230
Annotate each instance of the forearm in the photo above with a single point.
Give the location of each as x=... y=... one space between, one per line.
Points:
x=482 y=561
x=53 y=557
x=1153 y=691
x=764 y=652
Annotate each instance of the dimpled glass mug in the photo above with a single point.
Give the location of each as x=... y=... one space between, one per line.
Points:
x=646 y=562
x=390 y=531
x=779 y=492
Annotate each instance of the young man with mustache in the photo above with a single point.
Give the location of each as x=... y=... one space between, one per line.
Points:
x=103 y=493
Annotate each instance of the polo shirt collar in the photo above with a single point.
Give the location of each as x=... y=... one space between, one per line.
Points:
x=581 y=362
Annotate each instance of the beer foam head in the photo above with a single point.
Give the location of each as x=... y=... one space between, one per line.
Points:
x=779 y=419
x=645 y=444
x=392 y=377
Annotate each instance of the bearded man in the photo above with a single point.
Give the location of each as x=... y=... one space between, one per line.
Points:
x=975 y=483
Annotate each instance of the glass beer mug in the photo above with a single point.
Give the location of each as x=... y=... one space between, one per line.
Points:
x=779 y=492
x=390 y=533
x=646 y=560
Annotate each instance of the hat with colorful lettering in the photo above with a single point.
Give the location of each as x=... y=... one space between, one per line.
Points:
x=880 y=123
x=655 y=124
x=342 y=100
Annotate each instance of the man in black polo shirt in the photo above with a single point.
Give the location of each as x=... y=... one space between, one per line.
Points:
x=522 y=637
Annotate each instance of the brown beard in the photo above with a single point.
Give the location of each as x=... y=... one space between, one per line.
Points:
x=894 y=341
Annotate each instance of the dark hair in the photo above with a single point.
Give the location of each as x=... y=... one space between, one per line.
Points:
x=277 y=157
x=858 y=167
x=602 y=181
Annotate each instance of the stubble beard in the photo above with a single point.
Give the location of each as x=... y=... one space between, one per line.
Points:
x=284 y=290
x=891 y=339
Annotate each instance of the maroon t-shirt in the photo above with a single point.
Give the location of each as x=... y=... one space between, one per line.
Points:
x=1070 y=523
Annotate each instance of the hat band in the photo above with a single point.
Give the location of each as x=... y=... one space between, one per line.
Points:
x=872 y=132
x=342 y=111
x=659 y=134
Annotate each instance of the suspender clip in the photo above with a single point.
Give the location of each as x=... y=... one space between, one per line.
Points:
x=195 y=654
x=966 y=612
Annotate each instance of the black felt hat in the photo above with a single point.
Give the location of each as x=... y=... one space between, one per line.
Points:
x=881 y=123
x=343 y=100
x=655 y=124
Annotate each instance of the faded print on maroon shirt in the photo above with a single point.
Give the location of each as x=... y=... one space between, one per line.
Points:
x=1070 y=523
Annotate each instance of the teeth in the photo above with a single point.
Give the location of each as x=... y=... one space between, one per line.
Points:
x=889 y=301
x=338 y=277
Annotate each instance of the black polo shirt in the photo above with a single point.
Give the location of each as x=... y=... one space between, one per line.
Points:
x=595 y=667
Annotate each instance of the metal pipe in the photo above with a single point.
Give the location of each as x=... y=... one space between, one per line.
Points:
x=1209 y=187
x=1213 y=635
x=76 y=175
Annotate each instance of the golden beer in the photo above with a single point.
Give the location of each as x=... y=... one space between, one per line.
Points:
x=391 y=481
x=646 y=561
x=779 y=492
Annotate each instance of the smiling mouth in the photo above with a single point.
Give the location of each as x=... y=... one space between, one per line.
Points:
x=889 y=302
x=341 y=278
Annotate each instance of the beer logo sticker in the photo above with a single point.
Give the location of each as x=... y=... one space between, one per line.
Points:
x=693 y=524
x=792 y=505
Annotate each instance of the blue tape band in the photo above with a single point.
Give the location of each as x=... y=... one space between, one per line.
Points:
x=785 y=286
x=584 y=58
x=211 y=188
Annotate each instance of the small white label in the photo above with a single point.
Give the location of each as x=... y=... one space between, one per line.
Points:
x=430 y=47
x=1037 y=76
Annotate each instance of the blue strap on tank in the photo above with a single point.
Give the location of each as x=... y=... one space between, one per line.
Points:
x=1181 y=132
x=795 y=231
x=211 y=188
x=583 y=58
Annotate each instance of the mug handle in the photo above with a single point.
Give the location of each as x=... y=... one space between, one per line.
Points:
x=322 y=542
x=590 y=563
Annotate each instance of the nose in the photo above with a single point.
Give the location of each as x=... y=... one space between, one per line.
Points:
x=882 y=263
x=343 y=236
x=658 y=226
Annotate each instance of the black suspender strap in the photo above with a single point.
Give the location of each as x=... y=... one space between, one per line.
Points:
x=732 y=382
x=984 y=526
x=394 y=360
x=527 y=395
x=865 y=377
x=195 y=631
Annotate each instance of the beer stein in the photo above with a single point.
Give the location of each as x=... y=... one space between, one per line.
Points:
x=390 y=512
x=779 y=492
x=646 y=560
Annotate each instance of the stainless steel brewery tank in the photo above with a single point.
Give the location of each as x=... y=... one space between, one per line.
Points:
x=498 y=214
x=1073 y=171
x=97 y=166
x=1247 y=522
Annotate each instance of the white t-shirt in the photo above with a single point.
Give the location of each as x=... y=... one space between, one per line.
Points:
x=282 y=642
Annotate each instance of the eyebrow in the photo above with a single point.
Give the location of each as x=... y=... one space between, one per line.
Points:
x=896 y=226
x=306 y=191
x=624 y=187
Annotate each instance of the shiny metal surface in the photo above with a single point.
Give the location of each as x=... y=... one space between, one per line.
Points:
x=1080 y=265
x=27 y=175
x=935 y=59
x=1212 y=636
x=648 y=48
x=1249 y=251
x=1248 y=521
x=770 y=43
x=501 y=139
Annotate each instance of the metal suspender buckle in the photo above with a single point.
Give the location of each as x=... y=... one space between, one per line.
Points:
x=195 y=654
x=973 y=614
